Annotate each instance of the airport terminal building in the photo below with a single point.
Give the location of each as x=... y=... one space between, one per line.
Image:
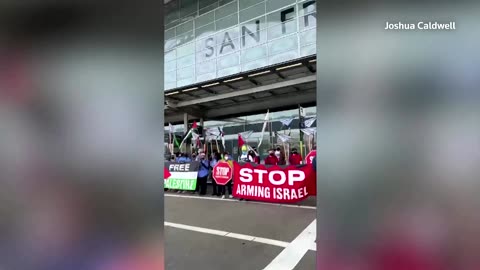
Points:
x=229 y=61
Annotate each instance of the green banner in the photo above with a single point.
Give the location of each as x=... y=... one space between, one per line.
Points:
x=181 y=184
x=183 y=175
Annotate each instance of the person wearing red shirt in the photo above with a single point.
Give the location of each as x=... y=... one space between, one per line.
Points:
x=271 y=159
x=295 y=158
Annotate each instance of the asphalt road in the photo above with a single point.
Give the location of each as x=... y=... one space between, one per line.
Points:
x=211 y=233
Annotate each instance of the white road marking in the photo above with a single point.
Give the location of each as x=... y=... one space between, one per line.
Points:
x=245 y=237
x=294 y=252
x=233 y=200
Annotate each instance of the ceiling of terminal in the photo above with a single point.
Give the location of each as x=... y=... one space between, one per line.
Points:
x=278 y=87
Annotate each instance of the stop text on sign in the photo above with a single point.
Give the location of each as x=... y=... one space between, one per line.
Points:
x=277 y=178
x=222 y=172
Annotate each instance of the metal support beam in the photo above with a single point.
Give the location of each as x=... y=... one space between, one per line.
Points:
x=308 y=79
x=279 y=101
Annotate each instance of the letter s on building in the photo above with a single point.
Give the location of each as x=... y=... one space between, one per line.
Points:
x=246 y=175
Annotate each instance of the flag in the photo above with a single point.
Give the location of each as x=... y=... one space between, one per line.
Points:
x=194 y=125
x=222 y=135
x=175 y=141
x=309 y=122
x=196 y=139
x=286 y=122
x=284 y=138
x=245 y=135
x=213 y=132
x=309 y=131
x=263 y=129
x=301 y=116
x=241 y=142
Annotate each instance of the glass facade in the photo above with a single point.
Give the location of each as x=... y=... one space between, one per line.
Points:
x=254 y=123
x=209 y=39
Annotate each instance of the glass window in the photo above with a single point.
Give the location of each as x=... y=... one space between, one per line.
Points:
x=248 y=40
x=170 y=66
x=228 y=42
x=228 y=71
x=171 y=17
x=247 y=3
x=205 y=55
x=170 y=55
x=307 y=15
x=226 y=10
x=184 y=27
x=282 y=57
x=170 y=44
x=223 y=37
x=254 y=53
x=307 y=7
x=252 y=25
x=289 y=43
x=228 y=61
x=276 y=4
x=170 y=34
x=206 y=77
x=308 y=50
x=186 y=50
x=170 y=85
x=188 y=8
x=205 y=43
x=223 y=2
x=259 y=63
x=205 y=30
x=185 y=82
x=226 y=22
x=308 y=37
x=282 y=29
x=205 y=19
x=185 y=73
x=228 y=47
x=207 y=8
x=186 y=61
x=185 y=38
x=171 y=76
x=206 y=3
x=206 y=67
x=275 y=18
x=252 y=12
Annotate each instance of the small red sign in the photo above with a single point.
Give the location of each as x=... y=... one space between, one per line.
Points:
x=222 y=173
x=310 y=156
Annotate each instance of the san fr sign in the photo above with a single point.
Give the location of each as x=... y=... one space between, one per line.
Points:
x=222 y=173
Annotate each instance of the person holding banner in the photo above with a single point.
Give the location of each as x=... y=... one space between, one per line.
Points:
x=203 y=175
x=271 y=159
x=226 y=157
x=215 y=159
x=295 y=158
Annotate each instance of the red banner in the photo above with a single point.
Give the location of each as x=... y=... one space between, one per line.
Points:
x=278 y=184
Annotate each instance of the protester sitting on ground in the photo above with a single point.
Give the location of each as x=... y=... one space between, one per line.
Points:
x=295 y=158
x=271 y=159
